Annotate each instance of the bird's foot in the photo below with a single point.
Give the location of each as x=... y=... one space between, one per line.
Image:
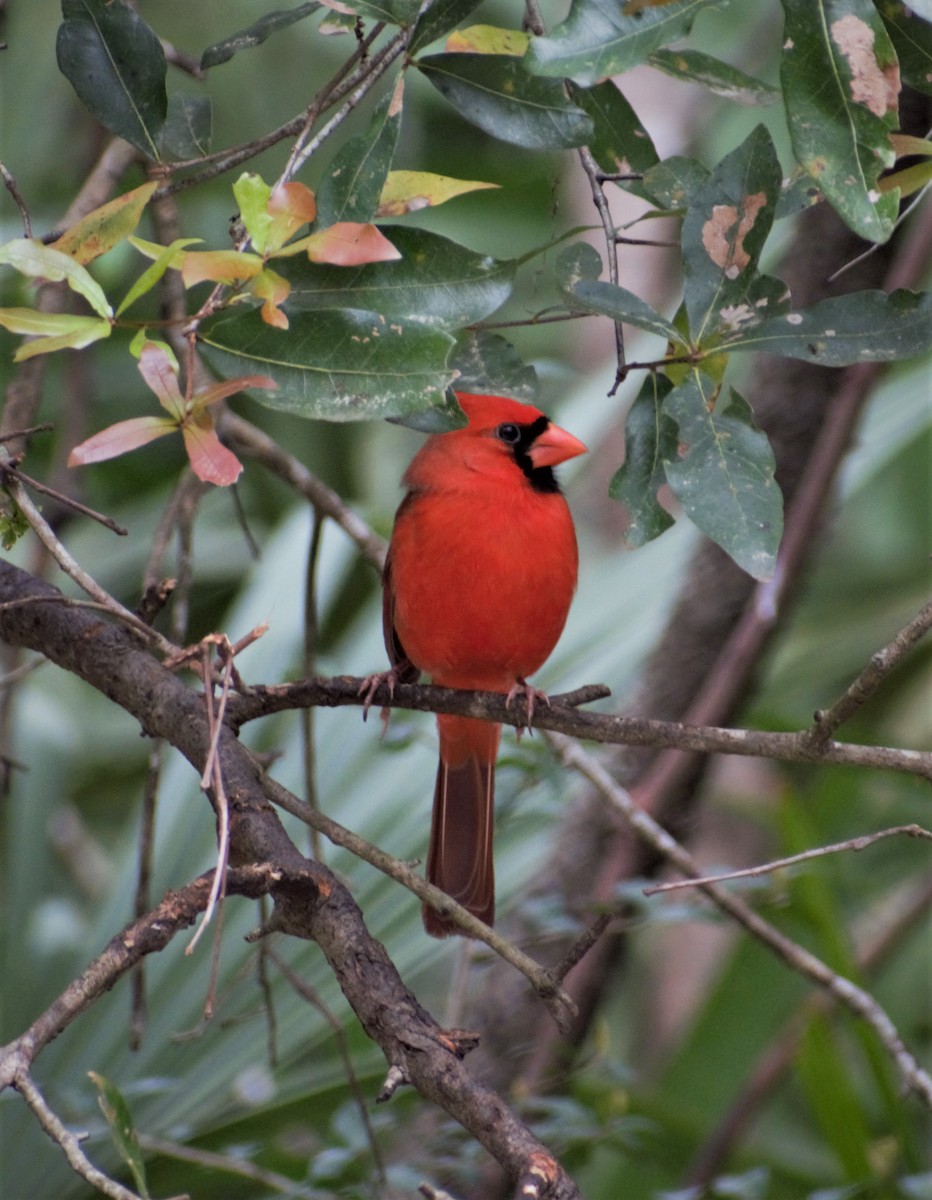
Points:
x=531 y=696
x=370 y=685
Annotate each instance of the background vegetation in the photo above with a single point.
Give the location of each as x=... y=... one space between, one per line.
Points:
x=700 y=1061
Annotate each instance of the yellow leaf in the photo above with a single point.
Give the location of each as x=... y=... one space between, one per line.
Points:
x=409 y=191
x=488 y=39
x=219 y=266
x=101 y=229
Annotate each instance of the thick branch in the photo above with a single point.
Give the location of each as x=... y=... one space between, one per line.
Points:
x=310 y=901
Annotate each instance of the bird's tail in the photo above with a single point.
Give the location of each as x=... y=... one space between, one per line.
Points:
x=460 y=857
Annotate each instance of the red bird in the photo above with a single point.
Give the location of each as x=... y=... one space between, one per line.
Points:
x=478 y=582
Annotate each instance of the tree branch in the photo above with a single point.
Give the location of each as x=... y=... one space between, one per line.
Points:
x=310 y=901
x=561 y=716
x=797 y=957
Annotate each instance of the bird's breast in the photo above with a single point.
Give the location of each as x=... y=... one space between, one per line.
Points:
x=482 y=583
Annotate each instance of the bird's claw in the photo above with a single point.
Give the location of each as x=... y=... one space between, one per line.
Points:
x=531 y=696
x=370 y=685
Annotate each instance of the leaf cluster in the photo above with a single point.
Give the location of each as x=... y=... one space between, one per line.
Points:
x=355 y=324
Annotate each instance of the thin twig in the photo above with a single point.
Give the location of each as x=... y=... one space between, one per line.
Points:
x=778 y=864
x=69 y=1143
x=308 y=993
x=142 y=899
x=63 y=499
x=18 y=200
x=212 y=780
x=309 y=664
x=876 y=671
x=247 y=439
x=209 y=1161
x=558 y=1003
x=797 y=957
x=592 y=170
x=75 y=571
x=778 y=1058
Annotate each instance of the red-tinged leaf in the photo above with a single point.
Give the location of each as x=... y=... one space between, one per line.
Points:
x=101 y=229
x=210 y=460
x=349 y=244
x=229 y=387
x=160 y=374
x=120 y=439
x=274 y=290
x=290 y=206
x=219 y=266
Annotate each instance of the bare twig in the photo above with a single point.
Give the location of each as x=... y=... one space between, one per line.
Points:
x=62 y=498
x=797 y=957
x=558 y=1003
x=72 y=568
x=11 y=187
x=776 y=1060
x=309 y=664
x=879 y=667
x=779 y=864
x=209 y=1161
x=249 y=440
x=306 y=992
x=593 y=173
x=68 y=1142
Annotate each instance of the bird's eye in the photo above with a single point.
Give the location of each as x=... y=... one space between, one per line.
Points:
x=508 y=433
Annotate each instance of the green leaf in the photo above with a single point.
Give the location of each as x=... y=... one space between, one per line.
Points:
x=351 y=188
x=117 y=1115
x=692 y=66
x=52 y=331
x=256 y=34
x=827 y=1081
x=340 y=365
x=723 y=475
x=496 y=93
x=841 y=85
x=116 y=64
x=620 y=143
x=438 y=19
x=577 y=268
x=38 y=261
x=487 y=363
x=168 y=256
x=672 y=182
x=188 y=127
x=441 y=417
x=726 y=225
x=912 y=40
x=435 y=282
x=650 y=439
x=860 y=327
x=601 y=38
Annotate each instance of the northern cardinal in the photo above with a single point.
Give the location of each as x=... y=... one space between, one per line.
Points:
x=477 y=586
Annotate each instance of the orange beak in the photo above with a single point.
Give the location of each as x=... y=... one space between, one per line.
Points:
x=554 y=446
